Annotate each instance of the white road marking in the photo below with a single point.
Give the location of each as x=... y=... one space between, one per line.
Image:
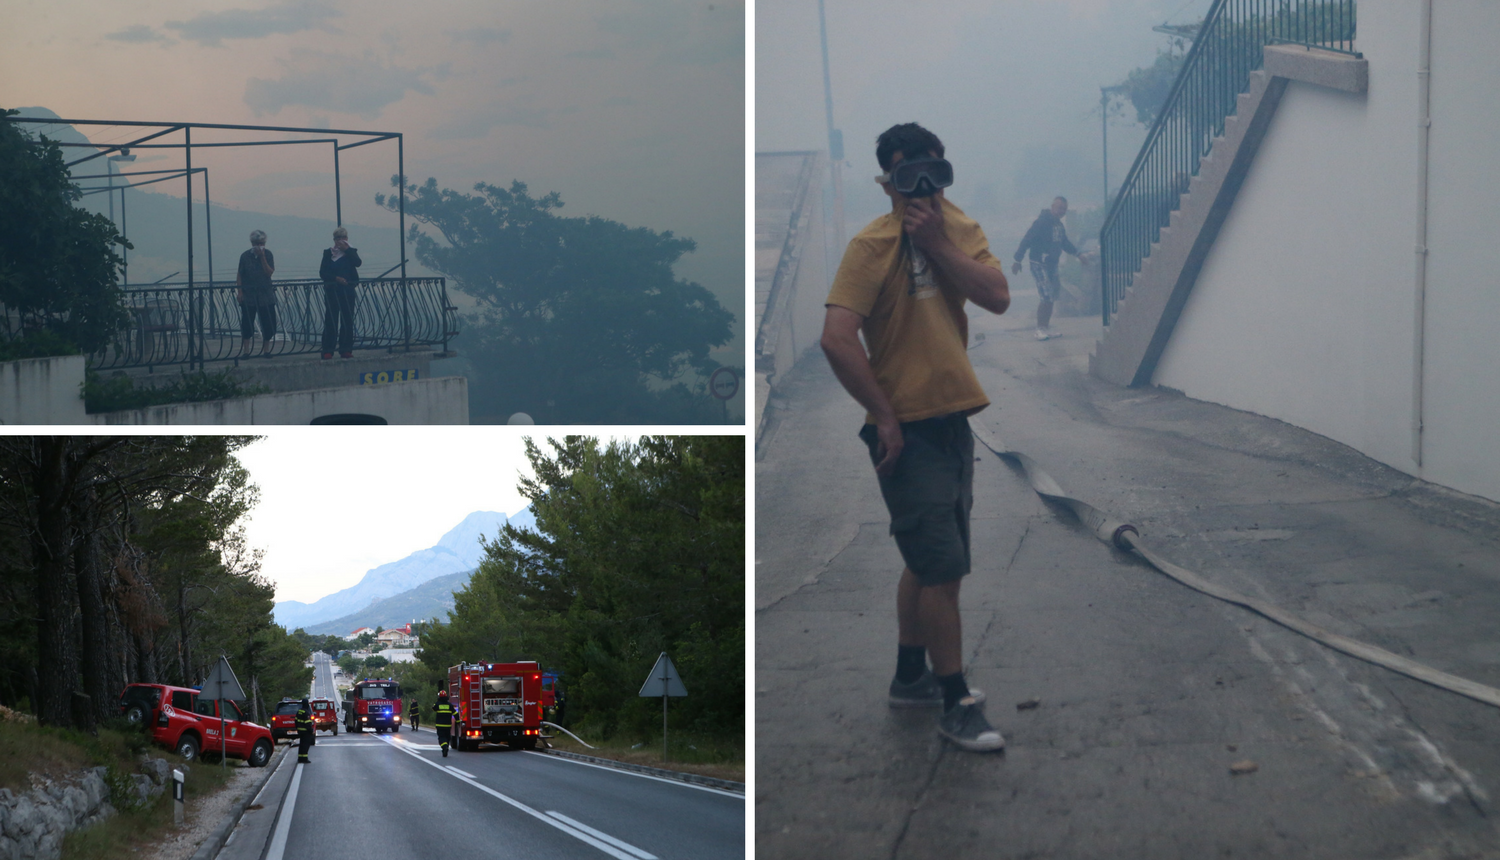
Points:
x=462 y=772
x=284 y=823
x=618 y=843
x=679 y=783
x=576 y=834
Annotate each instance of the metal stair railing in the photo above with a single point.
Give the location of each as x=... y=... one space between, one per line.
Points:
x=1216 y=70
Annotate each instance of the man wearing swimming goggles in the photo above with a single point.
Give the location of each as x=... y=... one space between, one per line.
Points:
x=903 y=283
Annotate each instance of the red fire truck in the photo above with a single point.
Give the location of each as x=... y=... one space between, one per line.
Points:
x=374 y=703
x=496 y=703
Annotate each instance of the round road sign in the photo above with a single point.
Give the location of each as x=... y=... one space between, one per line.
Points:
x=724 y=384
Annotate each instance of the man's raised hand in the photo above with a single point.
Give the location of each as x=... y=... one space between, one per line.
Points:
x=923 y=222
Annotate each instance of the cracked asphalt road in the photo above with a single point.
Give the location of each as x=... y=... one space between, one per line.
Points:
x=1148 y=691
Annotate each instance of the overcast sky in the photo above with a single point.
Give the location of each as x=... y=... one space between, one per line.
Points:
x=632 y=109
x=1004 y=83
x=332 y=506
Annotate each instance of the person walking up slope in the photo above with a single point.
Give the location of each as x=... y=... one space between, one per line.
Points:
x=1046 y=240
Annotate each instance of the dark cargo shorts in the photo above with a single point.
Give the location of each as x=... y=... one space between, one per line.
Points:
x=930 y=495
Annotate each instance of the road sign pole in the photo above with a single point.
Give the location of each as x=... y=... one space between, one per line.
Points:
x=663 y=729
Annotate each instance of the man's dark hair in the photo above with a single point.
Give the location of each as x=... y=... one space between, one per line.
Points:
x=909 y=139
x=1062 y=198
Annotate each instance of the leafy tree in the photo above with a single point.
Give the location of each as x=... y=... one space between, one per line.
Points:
x=126 y=562
x=638 y=549
x=1147 y=87
x=374 y=663
x=58 y=267
x=579 y=319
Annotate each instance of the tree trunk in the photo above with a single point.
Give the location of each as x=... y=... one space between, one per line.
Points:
x=50 y=556
x=93 y=621
x=184 y=649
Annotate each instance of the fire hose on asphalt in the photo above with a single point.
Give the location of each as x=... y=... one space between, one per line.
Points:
x=1127 y=537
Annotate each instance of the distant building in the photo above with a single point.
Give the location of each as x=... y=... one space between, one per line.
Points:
x=394 y=637
x=360 y=632
x=400 y=655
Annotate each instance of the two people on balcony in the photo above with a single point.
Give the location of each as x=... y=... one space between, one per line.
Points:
x=340 y=274
x=1046 y=240
x=255 y=294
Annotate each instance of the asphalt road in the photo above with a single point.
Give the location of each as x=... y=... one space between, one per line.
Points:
x=394 y=795
x=1148 y=692
x=322 y=686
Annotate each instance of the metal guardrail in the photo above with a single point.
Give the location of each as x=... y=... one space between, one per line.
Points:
x=173 y=324
x=1229 y=46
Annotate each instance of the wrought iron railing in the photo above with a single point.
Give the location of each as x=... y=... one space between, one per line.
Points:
x=172 y=324
x=1229 y=46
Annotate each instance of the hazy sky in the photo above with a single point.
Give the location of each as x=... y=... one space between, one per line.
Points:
x=1003 y=84
x=631 y=109
x=332 y=506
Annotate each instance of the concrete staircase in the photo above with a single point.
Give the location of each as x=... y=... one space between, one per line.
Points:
x=1145 y=317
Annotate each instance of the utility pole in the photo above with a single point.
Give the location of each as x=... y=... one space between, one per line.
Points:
x=1104 y=96
x=835 y=140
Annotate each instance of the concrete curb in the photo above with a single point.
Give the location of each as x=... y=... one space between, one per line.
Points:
x=210 y=847
x=693 y=778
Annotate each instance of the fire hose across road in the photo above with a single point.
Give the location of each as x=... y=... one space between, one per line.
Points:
x=1127 y=537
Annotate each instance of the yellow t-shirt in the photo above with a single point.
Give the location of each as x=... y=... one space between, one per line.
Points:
x=917 y=335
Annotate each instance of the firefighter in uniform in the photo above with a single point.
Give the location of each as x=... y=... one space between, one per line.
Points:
x=304 y=731
x=416 y=714
x=443 y=721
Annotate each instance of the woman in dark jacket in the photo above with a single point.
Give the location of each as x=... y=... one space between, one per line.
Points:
x=340 y=275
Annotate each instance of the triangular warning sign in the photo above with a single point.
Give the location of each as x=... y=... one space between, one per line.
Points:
x=664 y=680
x=221 y=683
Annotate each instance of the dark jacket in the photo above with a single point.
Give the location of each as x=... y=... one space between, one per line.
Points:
x=1046 y=240
x=254 y=282
x=444 y=715
x=347 y=266
x=304 y=722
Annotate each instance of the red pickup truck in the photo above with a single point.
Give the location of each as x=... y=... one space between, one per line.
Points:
x=178 y=719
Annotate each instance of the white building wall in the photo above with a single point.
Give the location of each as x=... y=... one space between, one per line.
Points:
x=1305 y=308
x=1461 y=444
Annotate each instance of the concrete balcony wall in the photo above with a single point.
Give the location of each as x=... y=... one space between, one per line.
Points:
x=444 y=400
x=46 y=391
x=42 y=391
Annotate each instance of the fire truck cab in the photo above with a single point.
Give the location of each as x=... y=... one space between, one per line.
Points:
x=496 y=703
x=373 y=703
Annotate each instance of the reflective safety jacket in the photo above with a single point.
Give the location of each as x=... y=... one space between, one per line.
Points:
x=304 y=722
x=444 y=713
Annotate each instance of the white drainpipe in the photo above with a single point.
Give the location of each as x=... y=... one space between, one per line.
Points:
x=1424 y=127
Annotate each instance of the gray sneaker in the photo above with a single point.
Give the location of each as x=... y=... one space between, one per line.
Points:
x=925 y=692
x=964 y=724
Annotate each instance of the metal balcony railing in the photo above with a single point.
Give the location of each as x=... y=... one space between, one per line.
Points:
x=172 y=324
x=1230 y=45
